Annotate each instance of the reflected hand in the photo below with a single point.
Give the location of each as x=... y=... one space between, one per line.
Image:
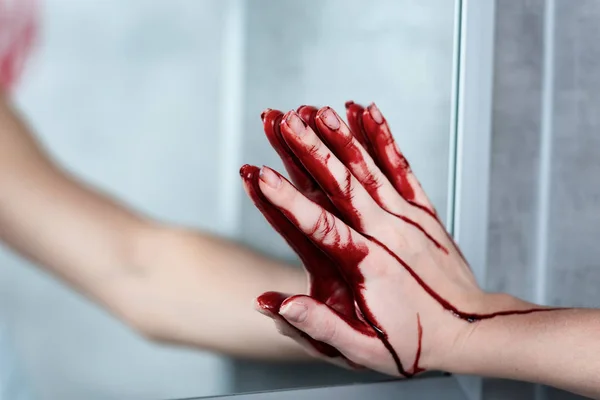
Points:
x=406 y=294
x=326 y=283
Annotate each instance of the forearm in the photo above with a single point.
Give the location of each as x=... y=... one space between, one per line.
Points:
x=199 y=290
x=74 y=231
x=170 y=284
x=557 y=348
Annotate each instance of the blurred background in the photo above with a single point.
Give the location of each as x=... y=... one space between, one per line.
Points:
x=158 y=102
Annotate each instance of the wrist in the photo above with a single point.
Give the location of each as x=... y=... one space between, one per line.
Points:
x=473 y=341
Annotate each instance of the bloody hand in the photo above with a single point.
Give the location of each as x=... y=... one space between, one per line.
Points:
x=389 y=289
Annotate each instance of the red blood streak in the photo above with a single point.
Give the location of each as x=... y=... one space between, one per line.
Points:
x=354 y=114
x=347 y=256
x=271 y=302
x=349 y=153
x=298 y=174
x=326 y=283
x=415 y=368
x=469 y=317
x=316 y=165
x=394 y=165
x=308 y=114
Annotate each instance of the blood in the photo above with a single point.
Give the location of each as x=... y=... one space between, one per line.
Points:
x=349 y=255
x=339 y=195
x=298 y=174
x=343 y=277
x=317 y=166
x=393 y=163
x=271 y=302
x=469 y=317
x=382 y=131
x=419 y=227
x=326 y=282
x=354 y=114
x=416 y=369
x=308 y=114
x=396 y=167
x=374 y=138
x=345 y=148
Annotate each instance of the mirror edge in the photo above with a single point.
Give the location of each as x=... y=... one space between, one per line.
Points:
x=474 y=87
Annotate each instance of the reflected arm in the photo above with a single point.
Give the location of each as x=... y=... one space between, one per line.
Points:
x=170 y=284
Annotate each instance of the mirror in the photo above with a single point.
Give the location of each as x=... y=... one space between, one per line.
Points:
x=158 y=104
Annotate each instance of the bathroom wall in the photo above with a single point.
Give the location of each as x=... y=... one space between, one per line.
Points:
x=544 y=196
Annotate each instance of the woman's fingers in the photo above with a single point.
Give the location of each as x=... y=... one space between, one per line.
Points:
x=322 y=273
x=308 y=114
x=347 y=148
x=391 y=160
x=355 y=341
x=344 y=246
x=353 y=202
x=306 y=250
x=326 y=281
x=354 y=114
x=269 y=304
x=298 y=174
x=352 y=154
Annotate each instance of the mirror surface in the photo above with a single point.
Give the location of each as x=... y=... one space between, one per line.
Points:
x=158 y=103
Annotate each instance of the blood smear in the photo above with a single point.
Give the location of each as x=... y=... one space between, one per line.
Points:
x=18 y=28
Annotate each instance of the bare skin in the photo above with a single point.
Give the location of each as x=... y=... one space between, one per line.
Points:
x=411 y=286
x=169 y=283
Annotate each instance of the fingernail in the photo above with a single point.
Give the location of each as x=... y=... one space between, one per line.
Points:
x=262 y=114
x=269 y=177
x=294 y=312
x=296 y=123
x=375 y=113
x=330 y=119
x=247 y=170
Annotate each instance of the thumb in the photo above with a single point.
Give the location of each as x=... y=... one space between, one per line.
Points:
x=269 y=304
x=352 y=338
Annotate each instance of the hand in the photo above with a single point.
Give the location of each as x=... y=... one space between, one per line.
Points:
x=414 y=294
x=168 y=283
x=326 y=283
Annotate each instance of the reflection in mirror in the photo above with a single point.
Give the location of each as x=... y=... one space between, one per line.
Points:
x=158 y=103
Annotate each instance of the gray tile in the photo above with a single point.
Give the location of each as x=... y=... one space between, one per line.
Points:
x=574 y=226
x=502 y=389
x=515 y=145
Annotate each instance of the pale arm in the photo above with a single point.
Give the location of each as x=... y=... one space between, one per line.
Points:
x=421 y=305
x=169 y=283
x=559 y=349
